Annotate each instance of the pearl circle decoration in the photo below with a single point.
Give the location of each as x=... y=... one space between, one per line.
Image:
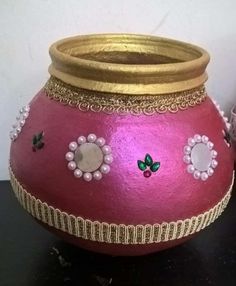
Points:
x=89 y=158
x=199 y=156
x=222 y=114
x=20 y=122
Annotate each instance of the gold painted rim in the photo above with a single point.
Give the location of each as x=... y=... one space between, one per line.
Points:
x=128 y=64
x=86 y=100
x=116 y=233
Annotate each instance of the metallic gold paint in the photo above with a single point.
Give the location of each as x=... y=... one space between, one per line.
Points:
x=129 y=64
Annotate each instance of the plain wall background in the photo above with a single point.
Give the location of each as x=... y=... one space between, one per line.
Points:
x=27 y=28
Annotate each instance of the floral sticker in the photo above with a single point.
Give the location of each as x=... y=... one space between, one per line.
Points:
x=148 y=166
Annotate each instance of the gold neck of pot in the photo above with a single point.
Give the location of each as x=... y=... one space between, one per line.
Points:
x=128 y=64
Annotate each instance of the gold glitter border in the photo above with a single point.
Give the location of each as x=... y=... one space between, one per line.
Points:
x=123 y=104
x=116 y=233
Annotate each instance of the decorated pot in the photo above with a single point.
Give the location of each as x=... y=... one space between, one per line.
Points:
x=122 y=151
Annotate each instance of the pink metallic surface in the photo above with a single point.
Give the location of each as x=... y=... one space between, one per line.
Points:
x=124 y=195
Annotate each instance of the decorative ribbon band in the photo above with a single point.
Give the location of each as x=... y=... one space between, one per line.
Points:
x=123 y=104
x=116 y=233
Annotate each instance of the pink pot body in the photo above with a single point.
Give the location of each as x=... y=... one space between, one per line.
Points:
x=124 y=195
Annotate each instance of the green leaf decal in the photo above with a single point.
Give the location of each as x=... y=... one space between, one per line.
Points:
x=40 y=136
x=37 y=141
x=40 y=145
x=34 y=140
x=148 y=160
x=142 y=166
x=155 y=166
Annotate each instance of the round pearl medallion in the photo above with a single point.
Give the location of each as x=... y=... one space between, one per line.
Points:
x=89 y=158
x=200 y=157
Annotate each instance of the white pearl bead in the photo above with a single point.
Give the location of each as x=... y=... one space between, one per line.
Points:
x=210 y=171
x=73 y=146
x=13 y=135
x=106 y=149
x=222 y=113
x=69 y=156
x=205 y=139
x=190 y=169
x=187 y=150
x=78 y=173
x=91 y=138
x=197 y=138
x=100 y=141
x=22 y=110
x=108 y=159
x=25 y=115
x=72 y=165
x=87 y=177
x=81 y=140
x=187 y=159
x=191 y=142
x=97 y=175
x=204 y=176
x=196 y=175
x=214 y=154
x=210 y=145
x=26 y=108
x=214 y=163
x=18 y=129
x=14 y=125
x=22 y=122
x=105 y=169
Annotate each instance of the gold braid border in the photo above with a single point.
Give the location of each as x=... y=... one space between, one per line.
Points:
x=114 y=233
x=86 y=100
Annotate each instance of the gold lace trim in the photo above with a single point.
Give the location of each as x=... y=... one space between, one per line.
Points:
x=123 y=104
x=116 y=233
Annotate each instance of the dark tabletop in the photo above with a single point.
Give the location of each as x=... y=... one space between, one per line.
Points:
x=31 y=256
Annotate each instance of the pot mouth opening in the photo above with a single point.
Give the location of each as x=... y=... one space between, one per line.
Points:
x=128 y=58
x=127 y=63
